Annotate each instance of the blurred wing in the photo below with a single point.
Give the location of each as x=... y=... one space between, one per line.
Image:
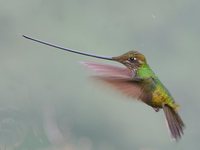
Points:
x=120 y=79
x=125 y=86
x=108 y=70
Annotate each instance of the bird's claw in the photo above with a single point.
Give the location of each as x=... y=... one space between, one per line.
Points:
x=156 y=109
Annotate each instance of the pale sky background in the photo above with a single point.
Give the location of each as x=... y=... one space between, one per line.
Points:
x=47 y=101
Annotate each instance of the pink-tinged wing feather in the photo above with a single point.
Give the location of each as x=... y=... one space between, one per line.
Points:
x=127 y=87
x=117 y=77
x=109 y=70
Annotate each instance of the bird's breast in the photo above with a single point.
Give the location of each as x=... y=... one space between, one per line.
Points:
x=159 y=97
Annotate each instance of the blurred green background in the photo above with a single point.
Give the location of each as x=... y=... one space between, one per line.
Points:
x=47 y=101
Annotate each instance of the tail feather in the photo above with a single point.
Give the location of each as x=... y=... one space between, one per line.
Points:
x=174 y=122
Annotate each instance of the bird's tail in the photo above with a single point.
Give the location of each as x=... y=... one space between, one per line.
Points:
x=174 y=122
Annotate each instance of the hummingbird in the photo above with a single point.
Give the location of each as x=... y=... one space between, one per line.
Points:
x=137 y=80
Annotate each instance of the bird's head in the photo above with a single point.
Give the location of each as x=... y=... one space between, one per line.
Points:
x=131 y=59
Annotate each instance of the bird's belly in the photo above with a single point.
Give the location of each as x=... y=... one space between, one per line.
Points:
x=159 y=97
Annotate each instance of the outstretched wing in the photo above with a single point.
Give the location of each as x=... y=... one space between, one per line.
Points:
x=120 y=78
x=108 y=70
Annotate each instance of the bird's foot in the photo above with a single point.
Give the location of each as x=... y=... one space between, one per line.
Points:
x=156 y=109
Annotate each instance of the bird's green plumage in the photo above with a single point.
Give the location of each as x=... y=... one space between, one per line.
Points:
x=159 y=92
x=145 y=71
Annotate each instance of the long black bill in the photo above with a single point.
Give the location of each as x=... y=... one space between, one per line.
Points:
x=67 y=49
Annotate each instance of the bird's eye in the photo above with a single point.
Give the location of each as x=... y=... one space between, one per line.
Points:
x=132 y=59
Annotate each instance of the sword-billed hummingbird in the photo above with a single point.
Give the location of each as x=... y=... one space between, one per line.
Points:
x=137 y=80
